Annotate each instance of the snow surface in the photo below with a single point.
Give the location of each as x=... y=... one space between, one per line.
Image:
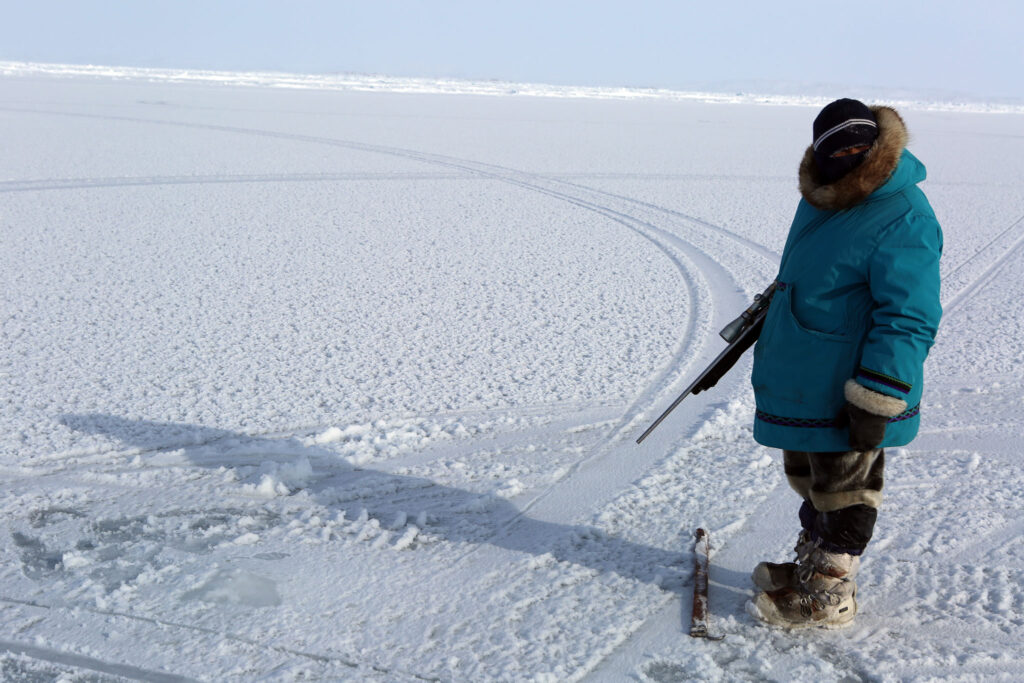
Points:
x=328 y=384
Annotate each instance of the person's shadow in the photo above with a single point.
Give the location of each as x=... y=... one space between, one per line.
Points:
x=396 y=501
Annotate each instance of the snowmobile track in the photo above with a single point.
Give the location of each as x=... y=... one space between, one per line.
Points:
x=969 y=290
x=49 y=184
x=525 y=180
x=89 y=663
x=697 y=265
x=158 y=677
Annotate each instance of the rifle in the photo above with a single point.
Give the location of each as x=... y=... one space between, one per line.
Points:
x=740 y=334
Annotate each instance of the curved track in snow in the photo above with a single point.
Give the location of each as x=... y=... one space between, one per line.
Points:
x=696 y=259
x=714 y=265
x=977 y=281
x=438 y=552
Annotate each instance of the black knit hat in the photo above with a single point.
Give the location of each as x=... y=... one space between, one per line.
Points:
x=841 y=124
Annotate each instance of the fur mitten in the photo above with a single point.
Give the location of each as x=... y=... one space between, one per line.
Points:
x=867 y=413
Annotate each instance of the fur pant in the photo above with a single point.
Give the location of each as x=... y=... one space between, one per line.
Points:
x=842 y=493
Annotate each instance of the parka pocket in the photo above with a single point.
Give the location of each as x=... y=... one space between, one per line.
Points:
x=794 y=364
x=823 y=336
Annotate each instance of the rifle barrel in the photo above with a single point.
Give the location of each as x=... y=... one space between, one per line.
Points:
x=683 y=395
x=721 y=365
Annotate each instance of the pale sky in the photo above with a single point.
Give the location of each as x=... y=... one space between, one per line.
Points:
x=957 y=47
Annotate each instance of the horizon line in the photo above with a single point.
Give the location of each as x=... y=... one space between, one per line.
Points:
x=361 y=82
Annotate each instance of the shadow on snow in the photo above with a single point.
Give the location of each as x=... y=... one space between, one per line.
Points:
x=451 y=514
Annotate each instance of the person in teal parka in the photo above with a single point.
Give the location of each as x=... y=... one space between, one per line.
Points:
x=838 y=366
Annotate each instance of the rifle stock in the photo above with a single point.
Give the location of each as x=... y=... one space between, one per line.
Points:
x=741 y=335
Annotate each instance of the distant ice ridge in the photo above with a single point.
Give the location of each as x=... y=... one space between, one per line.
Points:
x=378 y=83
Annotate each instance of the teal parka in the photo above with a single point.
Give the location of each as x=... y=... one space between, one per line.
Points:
x=857 y=298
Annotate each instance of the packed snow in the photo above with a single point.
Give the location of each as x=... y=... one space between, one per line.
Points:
x=342 y=383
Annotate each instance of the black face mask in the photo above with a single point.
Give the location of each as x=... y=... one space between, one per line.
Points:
x=834 y=168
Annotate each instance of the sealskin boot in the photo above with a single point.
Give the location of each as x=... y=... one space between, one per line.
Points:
x=824 y=594
x=772 y=576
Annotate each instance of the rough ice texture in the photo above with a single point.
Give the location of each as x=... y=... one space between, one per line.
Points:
x=344 y=385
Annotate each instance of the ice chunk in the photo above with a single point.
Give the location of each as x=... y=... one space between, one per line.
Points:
x=238 y=587
x=270 y=487
x=329 y=436
x=407 y=538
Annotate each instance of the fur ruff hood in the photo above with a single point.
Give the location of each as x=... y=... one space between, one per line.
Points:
x=853 y=188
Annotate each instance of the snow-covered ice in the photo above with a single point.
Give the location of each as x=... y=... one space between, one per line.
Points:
x=312 y=383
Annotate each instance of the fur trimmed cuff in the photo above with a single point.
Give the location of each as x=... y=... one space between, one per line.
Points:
x=873 y=401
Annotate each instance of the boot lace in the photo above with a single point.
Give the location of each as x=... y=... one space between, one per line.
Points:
x=805 y=566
